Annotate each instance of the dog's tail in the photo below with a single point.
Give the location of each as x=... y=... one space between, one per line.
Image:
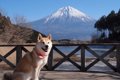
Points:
x=7 y=76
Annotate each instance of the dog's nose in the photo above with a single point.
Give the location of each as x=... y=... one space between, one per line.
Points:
x=46 y=46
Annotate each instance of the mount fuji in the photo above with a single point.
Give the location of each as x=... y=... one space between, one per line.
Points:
x=66 y=23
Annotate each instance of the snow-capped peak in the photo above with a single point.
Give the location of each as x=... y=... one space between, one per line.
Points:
x=68 y=12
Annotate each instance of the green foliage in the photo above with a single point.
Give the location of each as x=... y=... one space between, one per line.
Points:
x=110 y=25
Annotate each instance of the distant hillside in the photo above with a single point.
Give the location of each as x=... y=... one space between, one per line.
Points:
x=10 y=33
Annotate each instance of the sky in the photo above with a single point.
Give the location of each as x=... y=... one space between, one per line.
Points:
x=36 y=9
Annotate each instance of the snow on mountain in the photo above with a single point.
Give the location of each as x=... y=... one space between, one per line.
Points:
x=67 y=14
x=66 y=23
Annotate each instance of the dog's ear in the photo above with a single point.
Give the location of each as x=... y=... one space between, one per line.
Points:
x=49 y=37
x=39 y=37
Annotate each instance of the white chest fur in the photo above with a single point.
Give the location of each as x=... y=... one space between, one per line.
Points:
x=42 y=62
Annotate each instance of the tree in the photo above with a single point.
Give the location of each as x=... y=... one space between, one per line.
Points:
x=19 y=20
x=23 y=30
x=111 y=18
x=109 y=24
x=101 y=25
x=3 y=12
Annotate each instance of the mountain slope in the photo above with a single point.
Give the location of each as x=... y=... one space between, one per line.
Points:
x=66 y=23
x=11 y=33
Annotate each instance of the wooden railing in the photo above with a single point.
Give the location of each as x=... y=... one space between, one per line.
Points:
x=79 y=48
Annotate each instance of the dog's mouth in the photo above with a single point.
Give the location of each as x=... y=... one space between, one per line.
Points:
x=45 y=49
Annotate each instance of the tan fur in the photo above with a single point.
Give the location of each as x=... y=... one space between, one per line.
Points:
x=30 y=65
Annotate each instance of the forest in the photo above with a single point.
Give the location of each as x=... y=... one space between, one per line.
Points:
x=108 y=27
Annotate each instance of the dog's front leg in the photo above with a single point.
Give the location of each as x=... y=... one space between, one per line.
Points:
x=35 y=74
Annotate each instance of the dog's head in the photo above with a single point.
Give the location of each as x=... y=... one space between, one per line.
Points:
x=44 y=44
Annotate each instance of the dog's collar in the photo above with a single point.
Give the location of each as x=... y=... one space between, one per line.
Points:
x=41 y=55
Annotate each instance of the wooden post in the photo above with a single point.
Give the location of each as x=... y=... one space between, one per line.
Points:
x=50 y=60
x=118 y=58
x=18 y=53
x=82 y=58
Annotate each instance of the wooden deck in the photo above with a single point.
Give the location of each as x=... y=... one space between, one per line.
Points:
x=60 y=75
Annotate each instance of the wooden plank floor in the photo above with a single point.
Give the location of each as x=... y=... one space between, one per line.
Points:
x=60 y=75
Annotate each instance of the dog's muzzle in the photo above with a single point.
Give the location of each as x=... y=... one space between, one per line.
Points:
x=45 y=48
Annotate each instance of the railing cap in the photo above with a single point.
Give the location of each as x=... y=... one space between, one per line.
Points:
x=58 y=44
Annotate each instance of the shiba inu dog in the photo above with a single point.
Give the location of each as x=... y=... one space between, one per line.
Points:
x=30 y=65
